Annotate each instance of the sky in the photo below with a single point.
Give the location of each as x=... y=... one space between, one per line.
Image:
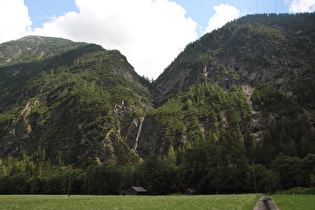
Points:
x=150 y=33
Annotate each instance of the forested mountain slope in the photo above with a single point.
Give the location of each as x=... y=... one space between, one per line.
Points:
x=270 y=56
x=78 y=102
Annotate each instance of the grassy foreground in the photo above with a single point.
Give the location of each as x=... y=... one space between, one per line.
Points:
x=284 y=201
x=247 y=201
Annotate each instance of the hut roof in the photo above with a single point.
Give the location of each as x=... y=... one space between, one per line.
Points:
x=191 y=191
x=139 y=189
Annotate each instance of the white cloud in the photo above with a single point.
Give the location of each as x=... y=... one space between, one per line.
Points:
x=301 y=5
x=150 y=33
x=14 y=20
x=224 y=13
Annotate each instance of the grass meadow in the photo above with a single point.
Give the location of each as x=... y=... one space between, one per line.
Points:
x=246 y=201
x=295 y=201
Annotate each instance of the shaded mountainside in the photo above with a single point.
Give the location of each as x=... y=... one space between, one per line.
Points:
x=247 y=89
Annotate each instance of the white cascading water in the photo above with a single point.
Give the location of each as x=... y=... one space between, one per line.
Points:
x=137 y=138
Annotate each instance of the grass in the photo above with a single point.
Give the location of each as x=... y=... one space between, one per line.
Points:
x=284 y=201
x=247 y=201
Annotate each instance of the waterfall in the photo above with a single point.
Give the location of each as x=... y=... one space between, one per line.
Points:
x=137 y=138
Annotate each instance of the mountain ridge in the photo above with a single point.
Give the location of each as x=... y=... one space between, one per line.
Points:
x=215 y=54
x=33 y=46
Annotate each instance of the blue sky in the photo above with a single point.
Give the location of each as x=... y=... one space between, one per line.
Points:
x=202 y=10
x=150 y=33
x=41 y=11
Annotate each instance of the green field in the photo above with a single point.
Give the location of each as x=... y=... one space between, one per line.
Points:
x=247 y=201
x=284 y=201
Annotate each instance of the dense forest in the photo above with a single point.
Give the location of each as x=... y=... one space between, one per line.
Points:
x=234 y=113
x=205 y=168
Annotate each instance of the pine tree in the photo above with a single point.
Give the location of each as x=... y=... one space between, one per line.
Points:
x=171 y=155
x=3 y=171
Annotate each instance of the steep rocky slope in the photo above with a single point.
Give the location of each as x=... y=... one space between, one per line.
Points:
x=269 y=49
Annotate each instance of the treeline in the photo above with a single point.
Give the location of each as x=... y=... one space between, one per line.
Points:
x=208 y=167
x=296 y=21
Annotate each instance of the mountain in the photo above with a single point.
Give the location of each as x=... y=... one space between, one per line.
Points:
x=247 y=88
x=76 y=100
x=270 y=56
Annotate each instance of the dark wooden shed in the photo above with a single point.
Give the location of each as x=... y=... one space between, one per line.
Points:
x=136 y=191
x=191 y=192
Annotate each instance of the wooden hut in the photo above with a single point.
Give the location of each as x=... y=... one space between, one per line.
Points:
x=191 y=192
x=136 y=191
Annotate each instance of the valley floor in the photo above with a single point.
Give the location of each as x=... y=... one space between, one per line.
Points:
x=245 y=201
